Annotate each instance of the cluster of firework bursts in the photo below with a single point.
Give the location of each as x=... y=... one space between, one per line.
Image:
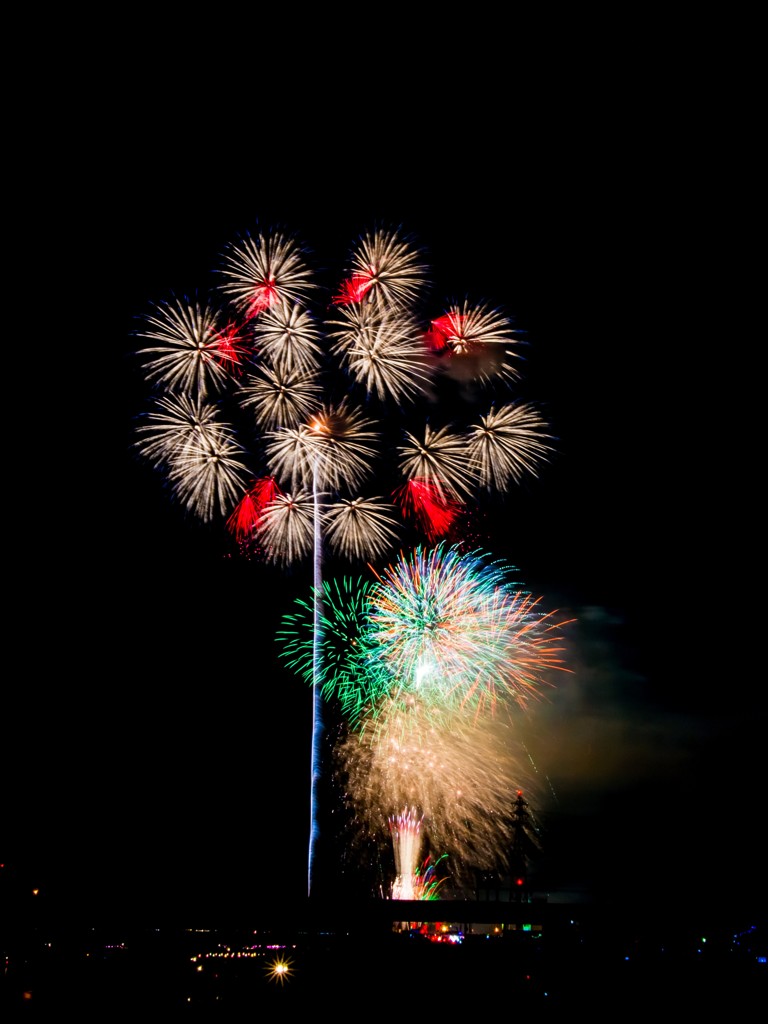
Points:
x=433 y=662
x=274 y=402
x=263 y=398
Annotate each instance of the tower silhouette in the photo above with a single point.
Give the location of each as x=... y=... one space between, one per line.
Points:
x=524 y=847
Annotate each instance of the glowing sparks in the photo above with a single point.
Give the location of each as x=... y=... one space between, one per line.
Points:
x=405 y=829
x=383 y=351
x=284 y=363
x=280 y=398
x=174 y=422
x=335 y=449
x=441 y=629
x=285 y=528
x=386 y=268
x=192 y=352
x=507 y=443
x=458 y=777
x=441 y=458
x=288 y=338
x=246 y=517
x=466 y=329
x=360 y=528
x=428 y=504
x=449 y=628
x=201 y=456
x=342 y=673
x=263 y=271
x=477 y=341
x=208 y=474
x=441 y=638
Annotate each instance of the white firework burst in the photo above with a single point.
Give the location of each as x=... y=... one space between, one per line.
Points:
x=480 y=342
x=335 y=449
x=361 y=527
x=382 y=350
x=174 y=422
x=280 y=398
x=386 y=268
x=507 y=443
x=442 y=458
x=208 y=473
x=286 y=529
x=193 y=350
x=462 y=775
x=265 y=270
x=288 y=337
x=464 y=328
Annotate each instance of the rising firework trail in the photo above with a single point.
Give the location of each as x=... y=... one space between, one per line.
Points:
x=278 y=398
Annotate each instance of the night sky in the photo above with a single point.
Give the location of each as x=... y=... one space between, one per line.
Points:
x=159 y=749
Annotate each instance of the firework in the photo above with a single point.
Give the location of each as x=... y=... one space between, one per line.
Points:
x=174 y=422
x=375 y=338
x=334 y=450
x=405 y=829
x=360 y=527
x=285 y=527
x=458 y=775
x=385 y=268
x=342 y=674
x=507 y=443
x=280 y=398
x=264 y=271
x=247 y=516
x=465 y=329
x=440 y=458
x=478 y=342
x=449 y=628
x=194 y=352
x=383 y=351
x=288 y=337
x=208 y=475
x=282 y=355
x=427 y=882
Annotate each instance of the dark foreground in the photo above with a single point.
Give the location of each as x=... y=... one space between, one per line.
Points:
x=361 y=963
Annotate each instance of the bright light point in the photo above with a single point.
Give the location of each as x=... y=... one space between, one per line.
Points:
x=278 y=970
x=422 y=671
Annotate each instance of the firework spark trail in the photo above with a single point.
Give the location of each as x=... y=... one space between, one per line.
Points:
x=427 y=882
x=289 y=339
x=271 y=357
x=506 y=444
x=336 y=449
x=440 y=627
